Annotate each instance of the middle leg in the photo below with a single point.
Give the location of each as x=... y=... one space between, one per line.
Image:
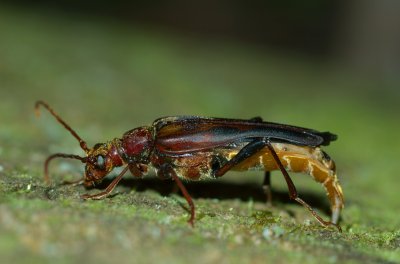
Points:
x=267 y=187
x=168 y=171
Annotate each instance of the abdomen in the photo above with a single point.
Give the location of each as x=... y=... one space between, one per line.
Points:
x=309 y=160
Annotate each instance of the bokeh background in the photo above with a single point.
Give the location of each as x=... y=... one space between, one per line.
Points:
x=107 y=67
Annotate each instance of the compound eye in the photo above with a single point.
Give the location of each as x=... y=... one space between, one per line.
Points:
x=100 y=162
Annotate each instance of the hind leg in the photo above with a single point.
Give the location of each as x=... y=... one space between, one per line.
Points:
x=317 y=164
x=293 y=192
x=255 y=147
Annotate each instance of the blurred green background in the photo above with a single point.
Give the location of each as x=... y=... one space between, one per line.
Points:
x=327 y=65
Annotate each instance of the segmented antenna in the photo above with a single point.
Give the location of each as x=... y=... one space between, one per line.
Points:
x=59 y=155
x=62 y=122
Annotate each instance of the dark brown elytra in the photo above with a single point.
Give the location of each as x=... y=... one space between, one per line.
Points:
x=196 y=148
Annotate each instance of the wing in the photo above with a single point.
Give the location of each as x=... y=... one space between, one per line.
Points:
x=185 y=134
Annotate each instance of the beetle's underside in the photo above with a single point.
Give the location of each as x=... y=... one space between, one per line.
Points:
x=308 y=160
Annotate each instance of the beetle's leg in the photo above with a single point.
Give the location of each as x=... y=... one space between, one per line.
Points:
x=267 y=187
x=168 y=170
x=187 y=197
x=109 y=188
x=246 y=152
x=256 y=146
x=292 y=189
x=134 y=169
x=257 y=119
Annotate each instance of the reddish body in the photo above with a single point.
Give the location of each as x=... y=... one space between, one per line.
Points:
x=196 y=148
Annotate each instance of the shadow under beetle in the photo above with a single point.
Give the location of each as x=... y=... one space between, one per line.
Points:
x=196 y=148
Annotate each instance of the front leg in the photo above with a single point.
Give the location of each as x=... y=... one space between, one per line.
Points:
x=108 y=190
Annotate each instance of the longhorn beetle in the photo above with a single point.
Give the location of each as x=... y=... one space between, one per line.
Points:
x=196 y=148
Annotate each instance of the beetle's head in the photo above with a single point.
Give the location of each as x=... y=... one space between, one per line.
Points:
x=100 y=160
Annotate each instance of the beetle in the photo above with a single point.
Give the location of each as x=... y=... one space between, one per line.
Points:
x=197 y=148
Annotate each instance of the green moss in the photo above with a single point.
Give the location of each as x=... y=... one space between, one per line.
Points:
x=263 y=218
x=105 y=78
